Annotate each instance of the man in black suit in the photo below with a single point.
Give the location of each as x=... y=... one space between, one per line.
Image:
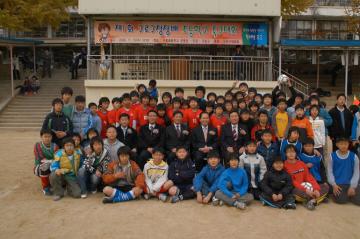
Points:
x=176 y=134
x=150 y=136
x=233 y=137
x=204 y=139
x=126 y=134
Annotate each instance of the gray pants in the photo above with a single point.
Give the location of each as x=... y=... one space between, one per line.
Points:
x=344 y=198
x=247 y=198
x=71 y=184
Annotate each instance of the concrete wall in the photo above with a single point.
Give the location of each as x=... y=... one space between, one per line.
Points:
x=198 y=7
x=114 y=88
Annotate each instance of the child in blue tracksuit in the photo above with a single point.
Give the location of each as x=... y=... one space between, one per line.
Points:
x=206 y=182
x=233 y=186
x=314 y=162
x=267 y=149
x=181 y=173
x=293 y=138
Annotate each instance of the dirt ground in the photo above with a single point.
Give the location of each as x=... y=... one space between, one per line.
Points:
x=26 y=213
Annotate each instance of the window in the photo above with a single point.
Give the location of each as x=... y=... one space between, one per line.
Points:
x=332 y=30
x=296 y=29
x=75 y=28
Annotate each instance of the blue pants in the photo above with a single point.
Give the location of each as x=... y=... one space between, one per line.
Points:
x=88 y=180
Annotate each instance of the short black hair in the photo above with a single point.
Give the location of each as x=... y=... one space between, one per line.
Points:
x=281 y=101
x=152 y=111
x=203 y=113
x=253 y=103
x=158 y=149
x=213 y=154
x=57 y=101
x=309 y=141
x=126 y=96
x=219 y=106
x=178 y=112
x=233 y=156
x=76 y=135
x=193 y=98
x=144 y=95
x=166 y=94
x=263 y=112
x=103 y=100
x=124 y=115
x=45 y=131
x=124 y=150
x=252 y=89
x=200 y=88
x=176 y=99
x=293 y=129
x=266 y=131
x=341 y=95
x=299 y=107
x=115 y=99
x=211 y=94
x=179 y=89
x=267 y=95
x=67 y=140
x=161 y=106
x=152 y=82
x=342 y=139
x=290 y=146
x=234 y=112
x=97 y=139
x=91 y=104
x=66 y=90
x=141 y=85
x=111 y=126
x=80 y=99
x=92 y=130
x=134 y=93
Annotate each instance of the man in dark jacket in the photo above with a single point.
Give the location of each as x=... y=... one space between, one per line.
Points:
x=151 y=135
x=277 y=187
x=126 y=134
x=176 y=134
x=204 y=139
x=233 y=137
x=58 y=123
x=342 y=120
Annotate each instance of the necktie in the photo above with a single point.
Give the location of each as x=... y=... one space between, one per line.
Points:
x=205 y=130
x=178 y=131
x=124 y=131
x=235 y=134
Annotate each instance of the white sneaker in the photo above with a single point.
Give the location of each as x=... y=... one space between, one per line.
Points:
x=240 y=205
x=146 y=196
x=83 y=196
x=93 y=192
x=163 y=197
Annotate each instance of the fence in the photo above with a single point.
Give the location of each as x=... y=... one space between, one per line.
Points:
x=179 y=67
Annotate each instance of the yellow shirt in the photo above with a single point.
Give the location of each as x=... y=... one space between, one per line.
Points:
x=282 y=121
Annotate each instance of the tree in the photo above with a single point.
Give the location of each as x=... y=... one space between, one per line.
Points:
x=26 y=15
x=294 y=7
x=353 y=16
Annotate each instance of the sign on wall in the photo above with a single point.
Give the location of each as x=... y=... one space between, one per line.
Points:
x=196 y=33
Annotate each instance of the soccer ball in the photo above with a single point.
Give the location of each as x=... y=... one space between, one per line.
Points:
x=283 y=79
x=307 y=186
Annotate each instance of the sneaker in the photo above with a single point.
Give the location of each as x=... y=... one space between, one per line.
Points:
x=57 y=198
x=215 y=201
x=325 y=200
x=146 y=196
x=94 y=192
x=84 y=195
x=290 y=206
x=107 y=200
x=221 y=203
x=310 y=205
x=163 y=197
x=47 y=192
x=240 y=205
x=175 y=199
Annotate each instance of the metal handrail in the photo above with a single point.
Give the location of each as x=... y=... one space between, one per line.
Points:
x=297 y=83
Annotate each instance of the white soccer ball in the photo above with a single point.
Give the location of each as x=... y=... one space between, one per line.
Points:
x=307 y=186
x=283 y=79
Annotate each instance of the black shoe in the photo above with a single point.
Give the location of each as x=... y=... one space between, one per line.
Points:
x=290 y=206
x=107 y=200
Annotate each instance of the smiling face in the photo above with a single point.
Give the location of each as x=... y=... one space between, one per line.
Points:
x=181 y=154
x=234 y=163
x=46 y=139
x=157 y=158
x=213 y=161
x=97 y=147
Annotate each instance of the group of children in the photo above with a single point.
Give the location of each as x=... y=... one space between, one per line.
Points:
x=228 y=149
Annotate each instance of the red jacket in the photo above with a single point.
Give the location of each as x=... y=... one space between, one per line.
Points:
x=141 y=116
x=192 y=118
x=299 y=173
x=130 y=112
x=258 y=127
x=112 y=117
x=218 y=123
x=104 y=122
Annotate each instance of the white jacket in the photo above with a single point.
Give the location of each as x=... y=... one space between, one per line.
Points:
x=318 y=127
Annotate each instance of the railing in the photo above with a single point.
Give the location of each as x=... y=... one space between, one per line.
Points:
x=180 y=67
x=298 y=84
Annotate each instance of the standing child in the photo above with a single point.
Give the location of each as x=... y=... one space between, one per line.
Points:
x=181 y=173
x=281 y=120
x=206 y=182
x=66 y=94
x=343 y=174
x=141 y=111
x=303 y=123
x=261 y=125
x=218 y=119
x=103 y=114
x=116 y=104
x=277 y=187
x=318 y=126
x=44 y=155
x=306 y=189
x=124 y=179
x=156 y=176
x=64 y=171
x=192 y=115
x=96 y=121
x=126 y=109
x=293 y=139
x=233 y=186
x=268 y=105
x=153 y=91
x=255 y=167
x=267 y=148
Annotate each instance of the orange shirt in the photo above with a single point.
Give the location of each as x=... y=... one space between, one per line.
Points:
x=141 y=116
x=192 y=118
x=104 y=122
x=304 y=123
x=218 y=122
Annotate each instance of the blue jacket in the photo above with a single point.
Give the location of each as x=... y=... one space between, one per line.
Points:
x=237 y=178
x=210 y=176
x=81 y=121
x=182 y=172
x=316 y=169
x=355 y=130
x=325 y=116
x=285 y=143
x=269 y=154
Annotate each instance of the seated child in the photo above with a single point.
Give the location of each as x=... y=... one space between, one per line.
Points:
x=268 y=149
x=44 y=155
x=343 y=174
x=255 y=167
x=205 y=183
x=92 y=132
x=77 y=140
x=233 y=186
x=277 y=187
x=313 y=161
x=94 y=166
x=156 y=176
x=306 y=189
x=181 y=173
x=64 y=170
x=124 y=178
x=293 y=139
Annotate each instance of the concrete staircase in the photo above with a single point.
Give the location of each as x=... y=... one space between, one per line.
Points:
x=28 y=112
